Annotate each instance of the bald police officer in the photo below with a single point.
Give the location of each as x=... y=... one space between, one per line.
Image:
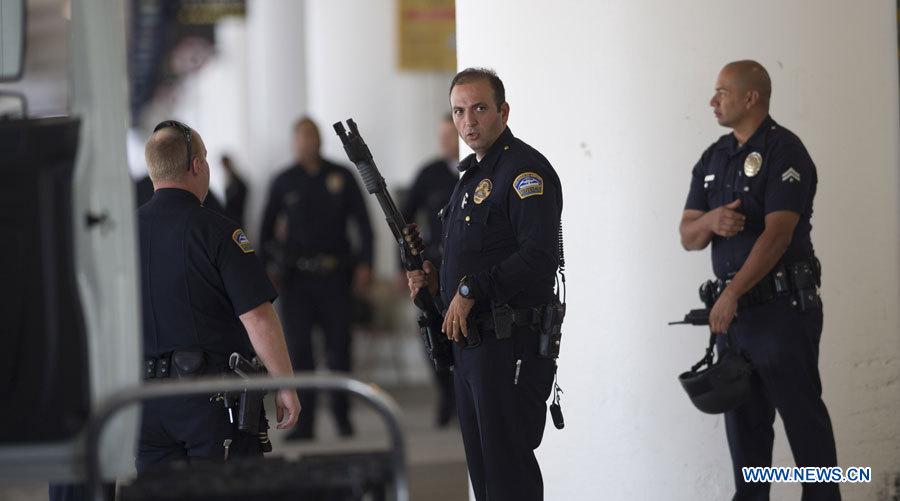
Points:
x=500 y=255
x=751 y=196
x=205 y=295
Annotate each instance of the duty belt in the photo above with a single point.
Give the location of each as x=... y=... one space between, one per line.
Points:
x=322 y=263
x=784 y=280
x=183 y=364
x=512 y=317
x=157 y=367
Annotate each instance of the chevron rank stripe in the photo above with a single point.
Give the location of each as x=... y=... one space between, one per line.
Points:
x=790 y=176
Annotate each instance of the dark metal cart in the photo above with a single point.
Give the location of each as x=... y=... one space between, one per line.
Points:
x=357 y=476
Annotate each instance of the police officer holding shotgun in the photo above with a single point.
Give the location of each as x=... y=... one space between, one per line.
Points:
x=751 y=196
x=500 y=258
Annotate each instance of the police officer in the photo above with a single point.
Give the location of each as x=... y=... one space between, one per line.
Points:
x=430 y=192
x=305 y=234
x=432 y=187
x=235 y=191
x=751 y=196
x=205 y=295
x=500 y=250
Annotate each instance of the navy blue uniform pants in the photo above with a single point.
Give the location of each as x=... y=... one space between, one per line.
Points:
x=189 y=429
x=783 y=344
x=79 y=492
x=502 y=421
x=324 y=300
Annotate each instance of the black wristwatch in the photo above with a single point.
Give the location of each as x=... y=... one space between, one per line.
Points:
x=464 y=289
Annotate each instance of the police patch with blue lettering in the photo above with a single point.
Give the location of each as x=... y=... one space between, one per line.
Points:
x=528 y=184
x=242 y=241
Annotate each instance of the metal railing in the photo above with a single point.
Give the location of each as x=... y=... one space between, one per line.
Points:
x=375 y=397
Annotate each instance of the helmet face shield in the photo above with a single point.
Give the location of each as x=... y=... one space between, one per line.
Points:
x=721 y=386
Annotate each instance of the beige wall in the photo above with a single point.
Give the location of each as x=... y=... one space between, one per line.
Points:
x=616 y=95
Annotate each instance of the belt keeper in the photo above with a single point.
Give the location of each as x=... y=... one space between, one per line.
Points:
x=781 y=285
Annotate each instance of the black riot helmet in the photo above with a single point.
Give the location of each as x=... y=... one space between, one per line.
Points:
x=721 y=386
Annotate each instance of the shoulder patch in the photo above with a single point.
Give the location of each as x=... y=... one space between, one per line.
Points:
x=242 y=241
x=528 y=184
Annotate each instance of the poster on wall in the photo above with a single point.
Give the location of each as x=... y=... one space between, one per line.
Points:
x=426 y=37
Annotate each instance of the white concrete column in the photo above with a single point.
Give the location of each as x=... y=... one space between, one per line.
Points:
x=616 y=95
x=276 y=92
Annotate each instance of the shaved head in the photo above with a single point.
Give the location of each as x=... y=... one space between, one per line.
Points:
x=741 y=100
x=749 y=75
x=166 y=154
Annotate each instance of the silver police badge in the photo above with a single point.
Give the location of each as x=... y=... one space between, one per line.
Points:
x=752 y=164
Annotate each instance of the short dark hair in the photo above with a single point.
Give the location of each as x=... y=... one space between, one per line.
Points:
x=472 y=74
x=305 y=119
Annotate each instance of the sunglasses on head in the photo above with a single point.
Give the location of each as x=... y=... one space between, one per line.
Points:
x=184 y=129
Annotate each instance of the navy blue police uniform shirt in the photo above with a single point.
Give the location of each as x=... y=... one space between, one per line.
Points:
x=430 y=192
x=199 y=272
x=318 y=208
x=501 y=227
x=786 y=180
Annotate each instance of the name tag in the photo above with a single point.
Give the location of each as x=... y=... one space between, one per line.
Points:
x=709 y=178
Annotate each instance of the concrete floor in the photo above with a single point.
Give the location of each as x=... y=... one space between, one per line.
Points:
x=436 y=461
x=437 y=469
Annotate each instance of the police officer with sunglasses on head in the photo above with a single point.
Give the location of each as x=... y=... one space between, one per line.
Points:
x=205 y=296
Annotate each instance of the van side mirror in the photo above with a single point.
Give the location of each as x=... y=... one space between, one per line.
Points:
x=12 y=39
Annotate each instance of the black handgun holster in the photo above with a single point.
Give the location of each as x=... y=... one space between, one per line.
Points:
x=248 y=411
x=551 y=329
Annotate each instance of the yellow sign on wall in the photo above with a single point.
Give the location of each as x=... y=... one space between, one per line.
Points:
x=426 y=37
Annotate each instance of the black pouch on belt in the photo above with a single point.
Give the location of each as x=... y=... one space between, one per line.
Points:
x=806 y=294
x=503 y=320
x=188 y=364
